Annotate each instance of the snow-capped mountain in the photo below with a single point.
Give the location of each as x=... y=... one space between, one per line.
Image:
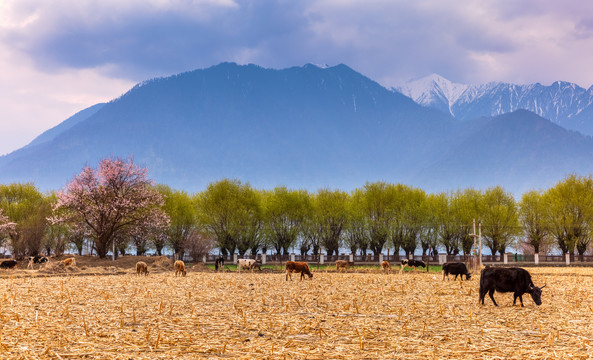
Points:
x=434 y=91
x=564 y=103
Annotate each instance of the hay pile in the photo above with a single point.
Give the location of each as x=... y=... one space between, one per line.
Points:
x=251 y=315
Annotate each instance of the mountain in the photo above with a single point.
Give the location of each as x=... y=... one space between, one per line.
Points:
x=518 y=148
x=65 y=125
x=303 y=127
x=566 y=104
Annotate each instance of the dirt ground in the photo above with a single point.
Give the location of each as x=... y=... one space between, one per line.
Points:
x=119 y=315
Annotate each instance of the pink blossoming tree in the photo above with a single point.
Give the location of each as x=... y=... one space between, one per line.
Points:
x=5 y=225
x=110 y=202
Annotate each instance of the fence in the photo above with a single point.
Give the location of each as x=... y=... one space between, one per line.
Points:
x=371 y=259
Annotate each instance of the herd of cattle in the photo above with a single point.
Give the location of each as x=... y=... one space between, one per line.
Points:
x=40 y=260
x=501 y=279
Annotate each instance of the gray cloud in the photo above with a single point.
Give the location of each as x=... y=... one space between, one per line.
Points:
x=389 y=41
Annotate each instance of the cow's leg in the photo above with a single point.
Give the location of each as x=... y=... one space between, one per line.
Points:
x=521 y=299
x=491 y=294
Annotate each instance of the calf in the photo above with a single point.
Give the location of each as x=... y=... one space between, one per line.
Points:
x=38 y=259
x=343 y=264
x=68 y=262
x=219 y=264
x=515 y=280
x=455 y=269
x=411 y=263
x=141 y=268
x=8 y=264
x=245 y=264
x=385 y=266
x=179 y=267
x=300 y=267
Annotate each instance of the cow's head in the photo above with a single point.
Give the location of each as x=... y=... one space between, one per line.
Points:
x=468 y=276
x=405 y=262
x=536 y=294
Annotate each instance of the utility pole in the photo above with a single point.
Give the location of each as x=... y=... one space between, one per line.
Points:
x=478 y=237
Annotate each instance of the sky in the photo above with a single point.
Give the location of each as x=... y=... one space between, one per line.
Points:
x=58 y=57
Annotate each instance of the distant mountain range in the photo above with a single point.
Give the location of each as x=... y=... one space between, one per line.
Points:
x=564 y=103
x=303 y=127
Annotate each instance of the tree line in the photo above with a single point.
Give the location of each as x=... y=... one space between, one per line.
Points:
x=115 y=208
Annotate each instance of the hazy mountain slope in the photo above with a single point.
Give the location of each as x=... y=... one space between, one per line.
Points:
x=302 y=127
x=66 y=124
x=519 y=148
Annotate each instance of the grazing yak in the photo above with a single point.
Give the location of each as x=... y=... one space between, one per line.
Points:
x=456 y=269
x=141 y=268
x=38 y=259
x=411 y=263
x=385 y=266
x=219 y=264
x=179 y=267
x=8 y=264
x=245 y=264
x=297 y=267
x=343 y=264
x=515 y=280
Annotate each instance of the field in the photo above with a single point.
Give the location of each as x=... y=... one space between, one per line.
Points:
x=106 y=312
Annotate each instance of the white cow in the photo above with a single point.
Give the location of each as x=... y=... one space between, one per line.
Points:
x=245 y=264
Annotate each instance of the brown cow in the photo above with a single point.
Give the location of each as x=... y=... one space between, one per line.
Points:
x=385 y=266
x=141 y=268
x=343 y=264
x=68 y=262
x=179 y=268
x=300 y=267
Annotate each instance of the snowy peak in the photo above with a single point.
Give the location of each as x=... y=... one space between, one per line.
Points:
x=564 y=103
x=433 y=91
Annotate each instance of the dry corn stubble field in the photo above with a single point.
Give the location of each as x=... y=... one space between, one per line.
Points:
x=251 y=315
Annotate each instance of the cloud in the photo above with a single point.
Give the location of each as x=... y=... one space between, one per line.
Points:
x=387 y=40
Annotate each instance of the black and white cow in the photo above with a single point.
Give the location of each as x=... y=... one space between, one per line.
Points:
x=411 y=263
x=38 y=259
x=515 y=280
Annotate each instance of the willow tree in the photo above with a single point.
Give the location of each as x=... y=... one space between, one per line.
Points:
x=570 y=212
x=532 y=216
x=500 y=219
x=377 y=203
x=466 y=207
x=332 y=216
x=407 y=215
x=232 y=212
x=181 y=210
x=28 y=209
x=356 y=232
x=445 y=221
x=108 y=202
x=284 y=212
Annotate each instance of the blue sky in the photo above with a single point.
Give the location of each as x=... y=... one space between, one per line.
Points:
x=61 y=56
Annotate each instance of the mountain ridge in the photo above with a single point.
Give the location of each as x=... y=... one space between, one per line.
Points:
x=564 y=103
x=302 y=127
